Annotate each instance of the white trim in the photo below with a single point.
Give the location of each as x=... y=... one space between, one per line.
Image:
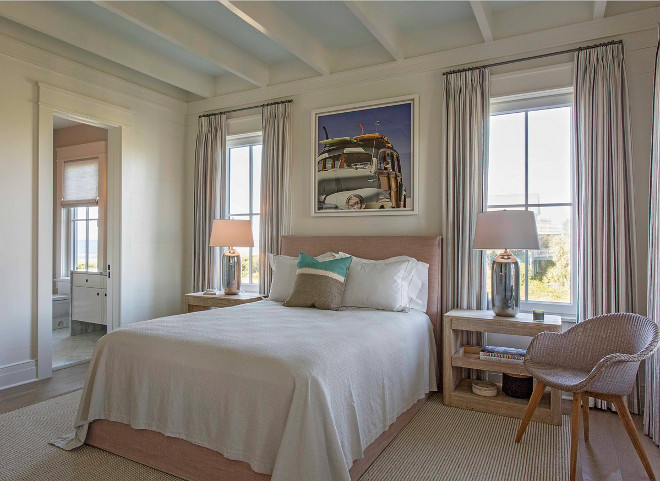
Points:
x=16 y=374
x=414 y=157
x=58 y=102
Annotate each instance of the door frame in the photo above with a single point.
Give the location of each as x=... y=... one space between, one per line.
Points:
x=54 y=101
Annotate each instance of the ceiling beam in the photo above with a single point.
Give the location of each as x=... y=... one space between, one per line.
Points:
x=173 y=27
x=484 y=15
x=380 y=24
x=53 y=20
x=283 y=30
x=599 y=9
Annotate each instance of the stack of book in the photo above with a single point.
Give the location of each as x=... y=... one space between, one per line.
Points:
x=502 y=354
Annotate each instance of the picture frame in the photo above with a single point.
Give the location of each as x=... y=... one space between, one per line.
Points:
x=364 y=158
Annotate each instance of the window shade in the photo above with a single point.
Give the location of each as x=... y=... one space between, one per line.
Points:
x=80 y=182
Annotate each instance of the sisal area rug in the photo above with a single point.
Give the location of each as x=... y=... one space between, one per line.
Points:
x=440 y=443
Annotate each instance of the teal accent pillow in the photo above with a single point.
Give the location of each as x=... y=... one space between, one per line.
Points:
x=319 y=284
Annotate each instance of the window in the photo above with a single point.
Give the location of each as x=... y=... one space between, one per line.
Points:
x=530 y=168
x=244 y=194
x=84 y=235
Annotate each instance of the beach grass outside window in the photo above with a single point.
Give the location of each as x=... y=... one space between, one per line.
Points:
x=531 y=168
x=244 y=199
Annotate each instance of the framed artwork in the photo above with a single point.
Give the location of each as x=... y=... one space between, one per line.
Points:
x=365 y=158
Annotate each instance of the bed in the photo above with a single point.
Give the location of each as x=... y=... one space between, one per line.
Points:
x=268 y=392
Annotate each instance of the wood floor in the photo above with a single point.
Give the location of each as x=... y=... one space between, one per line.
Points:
x=608 y=456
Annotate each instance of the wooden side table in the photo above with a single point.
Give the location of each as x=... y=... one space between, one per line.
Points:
x=198 y=301
x=457 y=391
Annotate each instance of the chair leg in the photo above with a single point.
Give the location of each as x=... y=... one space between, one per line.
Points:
x=585 y=416
x=575 y=429
x=537 y=393
x=624 y=414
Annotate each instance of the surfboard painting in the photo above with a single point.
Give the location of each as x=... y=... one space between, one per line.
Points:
x=364 y=159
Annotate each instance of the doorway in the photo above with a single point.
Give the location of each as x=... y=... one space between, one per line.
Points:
x=79 y=240
x=56 y=102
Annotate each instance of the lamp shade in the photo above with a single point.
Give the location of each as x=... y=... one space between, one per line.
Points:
x=231 y=233
x=506 y=229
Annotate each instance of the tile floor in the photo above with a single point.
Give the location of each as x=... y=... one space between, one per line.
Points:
x=67 y=349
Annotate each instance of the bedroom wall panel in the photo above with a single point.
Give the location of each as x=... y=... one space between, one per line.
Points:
x=152 y=196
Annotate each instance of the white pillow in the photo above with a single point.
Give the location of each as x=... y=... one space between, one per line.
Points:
x=284 y=274
x=377 y=284
x=415 y=280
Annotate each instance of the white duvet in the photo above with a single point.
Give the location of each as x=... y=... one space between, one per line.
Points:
x=297 y=393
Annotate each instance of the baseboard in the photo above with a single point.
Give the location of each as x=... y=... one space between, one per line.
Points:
x=18 y=373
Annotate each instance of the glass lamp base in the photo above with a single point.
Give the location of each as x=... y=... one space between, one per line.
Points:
x=505 y=285
x=231 y=272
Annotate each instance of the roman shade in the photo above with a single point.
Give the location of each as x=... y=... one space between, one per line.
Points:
x=80 y=182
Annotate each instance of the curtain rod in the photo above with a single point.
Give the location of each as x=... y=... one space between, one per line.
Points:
x=534 y=57
x=247 y=108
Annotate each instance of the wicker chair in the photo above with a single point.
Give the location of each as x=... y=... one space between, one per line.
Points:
x=596 y=358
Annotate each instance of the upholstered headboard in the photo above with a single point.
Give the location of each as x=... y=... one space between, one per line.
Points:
x=425 y=249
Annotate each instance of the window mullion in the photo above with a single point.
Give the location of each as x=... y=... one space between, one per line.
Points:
x=526 y=199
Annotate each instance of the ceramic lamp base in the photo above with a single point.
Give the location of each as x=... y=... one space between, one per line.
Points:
x=231 y=272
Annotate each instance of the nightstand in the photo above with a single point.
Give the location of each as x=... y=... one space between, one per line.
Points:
x=457 y=391
x=198 y=301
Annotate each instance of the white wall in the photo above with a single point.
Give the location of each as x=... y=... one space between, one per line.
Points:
x=427 y=83
x=152 y=240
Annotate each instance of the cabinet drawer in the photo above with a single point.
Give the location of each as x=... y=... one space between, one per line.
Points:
x=88 y=280
x=88 y=305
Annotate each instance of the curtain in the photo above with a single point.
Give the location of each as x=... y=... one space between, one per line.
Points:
x=209 y=197
x=466 y=117
x=275 y=214
x=652 y=386
x=606 y=248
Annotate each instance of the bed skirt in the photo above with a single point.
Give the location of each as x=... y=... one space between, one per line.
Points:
x=196 y=463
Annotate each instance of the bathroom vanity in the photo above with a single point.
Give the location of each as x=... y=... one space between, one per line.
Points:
x=88 y=302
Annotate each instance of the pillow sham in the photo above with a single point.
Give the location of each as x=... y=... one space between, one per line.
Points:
x=284 y=275
x=377 y=285
x=414 y=287
x=319 y=284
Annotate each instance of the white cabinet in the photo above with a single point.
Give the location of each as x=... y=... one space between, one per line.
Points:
x=88 y=298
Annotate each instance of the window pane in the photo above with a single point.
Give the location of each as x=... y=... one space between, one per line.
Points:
x=80 y=239
x=94 y=212
x=549 y=156
x=79 y=212
x=239 y=180
x=256 y=178
x=550 y=268
x=506 y=170
x=93 y=246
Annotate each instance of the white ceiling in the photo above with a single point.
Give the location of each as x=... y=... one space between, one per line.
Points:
x=208 y=48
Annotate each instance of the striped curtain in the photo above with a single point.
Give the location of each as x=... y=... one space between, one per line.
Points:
x=275 y=218
x=606 y=248
x=208 y=198
x=466 y=117
x=652 y=387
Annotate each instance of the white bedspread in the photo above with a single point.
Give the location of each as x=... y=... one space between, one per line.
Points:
x=297 y=393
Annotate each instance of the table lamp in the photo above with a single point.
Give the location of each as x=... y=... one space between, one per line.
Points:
x=506 y=229
x=231 y=233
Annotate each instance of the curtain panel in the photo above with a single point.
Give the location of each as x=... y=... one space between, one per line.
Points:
x=652 y=385
x=605 y=213
x=209 y=196
x=466 y=117
x=275 y=215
